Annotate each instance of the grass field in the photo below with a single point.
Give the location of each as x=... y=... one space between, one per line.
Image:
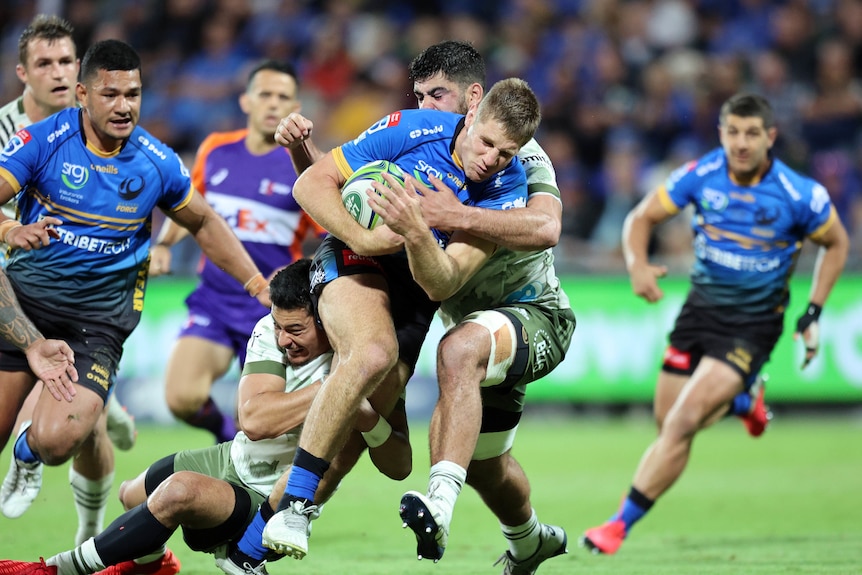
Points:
x=789 y=502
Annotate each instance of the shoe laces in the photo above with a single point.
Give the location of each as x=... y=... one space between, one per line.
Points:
x=259 y=569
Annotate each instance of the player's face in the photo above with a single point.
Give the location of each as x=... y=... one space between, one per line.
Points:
x=50 y=73
x=486 y=149
x=112 y=100
x=746 y=143
x=439 y=93
x=298 y=335
x=270 y=97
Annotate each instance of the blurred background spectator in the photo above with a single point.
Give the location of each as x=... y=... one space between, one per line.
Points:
x=630 y=88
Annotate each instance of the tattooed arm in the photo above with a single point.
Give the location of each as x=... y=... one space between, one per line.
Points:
x=53 y=361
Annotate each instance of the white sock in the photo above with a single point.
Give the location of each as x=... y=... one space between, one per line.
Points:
x=91 y=502
x=523 y=539
x=444 y=485
x=82 y=560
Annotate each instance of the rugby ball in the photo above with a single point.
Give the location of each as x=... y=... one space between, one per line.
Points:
x=353 y=191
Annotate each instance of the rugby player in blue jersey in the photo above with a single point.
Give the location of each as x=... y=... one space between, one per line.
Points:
x=374 y=312
x=89 y=180
x=752 y=214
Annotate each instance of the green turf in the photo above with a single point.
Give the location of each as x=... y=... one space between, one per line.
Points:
x=790 y=502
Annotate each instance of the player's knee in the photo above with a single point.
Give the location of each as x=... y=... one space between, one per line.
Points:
x=377 y=359
x=54 y=448
x=174 y=494
x=183 y=402
x=458 y=349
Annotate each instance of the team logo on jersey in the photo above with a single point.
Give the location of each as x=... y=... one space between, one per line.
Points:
x=268 y=187
x=74 y=176
x=419 y=132
x=58 y=132
x=17 y=142
x=131 y=188
x=766 y=215
x=713 y=200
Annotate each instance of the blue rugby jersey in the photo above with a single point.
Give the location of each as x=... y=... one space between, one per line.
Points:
x=106 y=201
x=747 y=238
x=420 y=142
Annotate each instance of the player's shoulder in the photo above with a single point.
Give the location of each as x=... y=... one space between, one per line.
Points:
x=424 y=123
x=218 y=139
x=159 y=154
x=708 y=165
x=12 y=113
x=796 y=186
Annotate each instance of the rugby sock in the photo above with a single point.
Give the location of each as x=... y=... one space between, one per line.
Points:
x=741 y=404
x=91 y=502
x=633 y=508
x=134 y=534
x=82 y=560
x=250 y=548
x=444 y=485
x=523 y=539
x=22 y=450
x=305 y=476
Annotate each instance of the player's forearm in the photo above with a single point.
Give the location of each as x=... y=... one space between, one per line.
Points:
x=224 y=249
x=635 y=240
x=431 y=267
x=171 y=233
x=828 y=268
x=304 y=155
x=15 y=327
x=520 y=229
x=272 y=414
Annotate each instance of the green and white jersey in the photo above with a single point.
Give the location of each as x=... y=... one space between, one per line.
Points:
x=513 y=276
x=260 y=463
x=12 y=119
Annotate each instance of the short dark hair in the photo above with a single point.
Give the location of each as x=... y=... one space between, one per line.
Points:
x=275 y=66
x=747 y=105
x=108 y=55
x=514 y=105
x=290 y=288
x=459 y=62
x=44 y=27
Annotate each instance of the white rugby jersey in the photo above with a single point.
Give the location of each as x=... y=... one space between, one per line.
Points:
x=260 y=463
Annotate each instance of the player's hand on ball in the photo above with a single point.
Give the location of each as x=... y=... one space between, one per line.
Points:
x=644 y=281
x=34 y=236
x=808 y=326
x=398 y=205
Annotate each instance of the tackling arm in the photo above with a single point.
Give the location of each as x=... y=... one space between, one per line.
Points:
x=266 y=411
x=535 y=227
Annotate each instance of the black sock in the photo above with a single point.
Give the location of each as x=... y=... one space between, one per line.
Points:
x=133 y=534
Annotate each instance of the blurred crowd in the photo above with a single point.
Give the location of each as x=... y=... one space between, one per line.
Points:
x=630 y=89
